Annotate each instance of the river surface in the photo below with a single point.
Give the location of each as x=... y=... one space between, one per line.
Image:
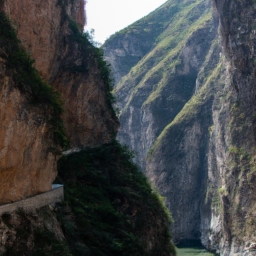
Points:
x=193 y=252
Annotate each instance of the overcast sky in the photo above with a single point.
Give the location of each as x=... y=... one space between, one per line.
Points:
x=109 y=16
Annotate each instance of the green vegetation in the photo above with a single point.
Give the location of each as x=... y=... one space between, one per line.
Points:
x=33 y=226
x=46 y=244
x=156 y=69
x=28 y=80
x=110 y=207
x=193 y=107
x=88 y=50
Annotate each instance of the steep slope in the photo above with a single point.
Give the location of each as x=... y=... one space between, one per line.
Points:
x=109 y=202
x=232 y=154
x=177 y=162
x=118 y=212
x=32 y=135
x=202 y=150
x=166 y=101
x=109 y=206
x=128 y=46
x=50 y=35
x=159 y=85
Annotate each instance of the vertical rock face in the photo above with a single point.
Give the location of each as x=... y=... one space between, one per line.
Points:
x=232 y=151
x=106 y=193
x=45 y=31
x=159 y=85
x=68 y=62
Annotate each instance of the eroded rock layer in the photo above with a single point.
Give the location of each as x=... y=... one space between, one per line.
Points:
x=193 y=123
x=27 y=165
x=65 y=59
x=48 y=33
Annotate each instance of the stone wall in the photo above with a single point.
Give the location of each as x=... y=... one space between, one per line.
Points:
x=53 y=196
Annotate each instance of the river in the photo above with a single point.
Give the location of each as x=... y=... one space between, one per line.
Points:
x=193 y=252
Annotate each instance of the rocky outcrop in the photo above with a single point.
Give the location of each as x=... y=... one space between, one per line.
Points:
x=232 y=154
x=64 y=59
x=64 y=95
x=156 y=89
x=49 y=35
x=32 y=233
x=27 y=164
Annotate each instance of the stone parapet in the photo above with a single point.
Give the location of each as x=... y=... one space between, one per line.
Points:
x=51 y=197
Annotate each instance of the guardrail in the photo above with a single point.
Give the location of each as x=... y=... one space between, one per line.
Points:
x=50 y=197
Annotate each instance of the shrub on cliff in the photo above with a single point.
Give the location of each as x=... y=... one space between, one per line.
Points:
x=28 y=80
x=110 y=207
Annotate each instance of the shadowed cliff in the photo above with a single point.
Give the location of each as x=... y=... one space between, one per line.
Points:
x=55 y=97
x=165 y=105
x=187 y=107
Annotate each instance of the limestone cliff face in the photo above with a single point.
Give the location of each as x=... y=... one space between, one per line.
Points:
x=177 y=163
x=67 y=61
x=202 y=152
x=44 y=30
x=27 y=165
x=232 y=152
x=156 y=89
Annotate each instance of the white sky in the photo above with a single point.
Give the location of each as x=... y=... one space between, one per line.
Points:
x=109 y=16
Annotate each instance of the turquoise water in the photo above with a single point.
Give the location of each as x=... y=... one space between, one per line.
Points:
x=192 y=252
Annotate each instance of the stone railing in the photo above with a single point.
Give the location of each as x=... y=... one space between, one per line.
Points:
x=50 y=197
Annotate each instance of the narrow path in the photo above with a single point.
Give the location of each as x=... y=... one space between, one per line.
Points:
x=50 y=197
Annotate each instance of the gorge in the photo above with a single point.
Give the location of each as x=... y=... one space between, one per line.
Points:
x=185 y=92
x=55 y=99
x=185 y=88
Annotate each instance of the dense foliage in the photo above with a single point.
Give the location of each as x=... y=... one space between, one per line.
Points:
x=110 y=207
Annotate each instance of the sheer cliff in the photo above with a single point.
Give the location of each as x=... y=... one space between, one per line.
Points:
x=52 y=40
x=187 y=107
x=55 y=97
x=165 y=107
x=232 y=153
x=50 y=35
x=110 y=209
x=144 y=96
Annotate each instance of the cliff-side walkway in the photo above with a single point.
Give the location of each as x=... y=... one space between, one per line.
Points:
x=50 y=197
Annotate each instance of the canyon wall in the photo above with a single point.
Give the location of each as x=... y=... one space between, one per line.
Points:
x=197 y=147
x=232 y=152
x=31 y=128
x=56 y=96
x=165 y=106
x=50 y=35
x=145 y=98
